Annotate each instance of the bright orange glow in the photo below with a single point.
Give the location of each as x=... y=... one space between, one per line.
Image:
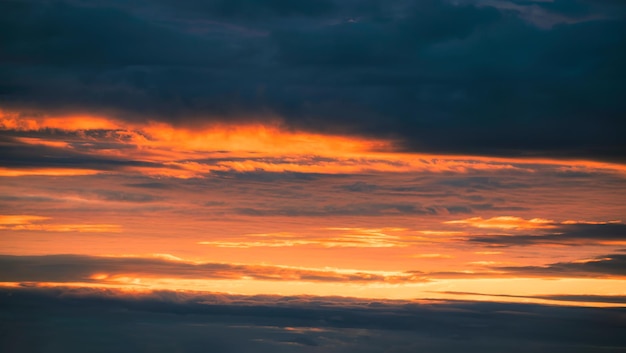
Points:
x=86 y=228
x=505 y=222
x=254 y=208
x=39 y=141
x=591 y=222
x=25 y=223
x=515 y=288
x=339 y=237
x=99 y=276
x=268 y=139
x=295 y=151
x=441 y=233
x=13 y=220
x=433 y=256
x=6 y=172
x=25 y=122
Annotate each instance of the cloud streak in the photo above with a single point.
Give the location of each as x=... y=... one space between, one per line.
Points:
x=131 y=270
x=566 y=233
x=602 y=266
x=34 y=223
x=78 y=268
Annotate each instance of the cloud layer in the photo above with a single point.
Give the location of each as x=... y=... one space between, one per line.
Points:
x=124 y=271
x=71 y=319
x=477 y=77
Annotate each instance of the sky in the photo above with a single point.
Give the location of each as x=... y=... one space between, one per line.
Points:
x=313 y=175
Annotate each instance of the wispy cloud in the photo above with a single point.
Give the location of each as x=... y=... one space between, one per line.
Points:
x=433 y=256
x=616 y=299
x=505 y=222
x=612 y=265
x=159 y=149
x=77 y=268
x=39 y=223
x=566 y=233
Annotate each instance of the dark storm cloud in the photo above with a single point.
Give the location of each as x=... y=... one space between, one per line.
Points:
x=67 y=320
x=476 y=77
x=563 y=234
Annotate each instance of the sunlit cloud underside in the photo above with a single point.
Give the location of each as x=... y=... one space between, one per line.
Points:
x=261 y=209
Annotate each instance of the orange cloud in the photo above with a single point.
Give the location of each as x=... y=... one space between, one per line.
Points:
x=591 y=222
x=433 y=256
x=19 y=172
x=184 y=152
x=441 y=233
x=505 y=222
x=131 y=269
x=14 y=220
x=488 y=252
x=33 y=223
x=33 y=122
x=42 y=142
x=347 y=237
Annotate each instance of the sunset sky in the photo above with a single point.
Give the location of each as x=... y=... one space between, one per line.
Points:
x=313 y=157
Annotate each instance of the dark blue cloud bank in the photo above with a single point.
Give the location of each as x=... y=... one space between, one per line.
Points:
x=475 y=76
x=79 y=320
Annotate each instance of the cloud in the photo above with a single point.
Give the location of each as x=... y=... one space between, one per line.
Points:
x=12 y=172
x=471 y=77
x=505 y=222
x=568 y=11
x=365 y=209
x=14 y=220
x=64 y=153
x=187 y=321
x=85 y=145
x=613 y=265
x=432 y=256
x=120 y=196
x=39 y=223
x=250 y=9
x=150 y=185
x=565 y=233
x=616 y=299
x=332 y=238
x=134 y=270
x=80 y=268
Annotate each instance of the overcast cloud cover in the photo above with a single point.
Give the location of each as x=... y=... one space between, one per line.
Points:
x=475 y=76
